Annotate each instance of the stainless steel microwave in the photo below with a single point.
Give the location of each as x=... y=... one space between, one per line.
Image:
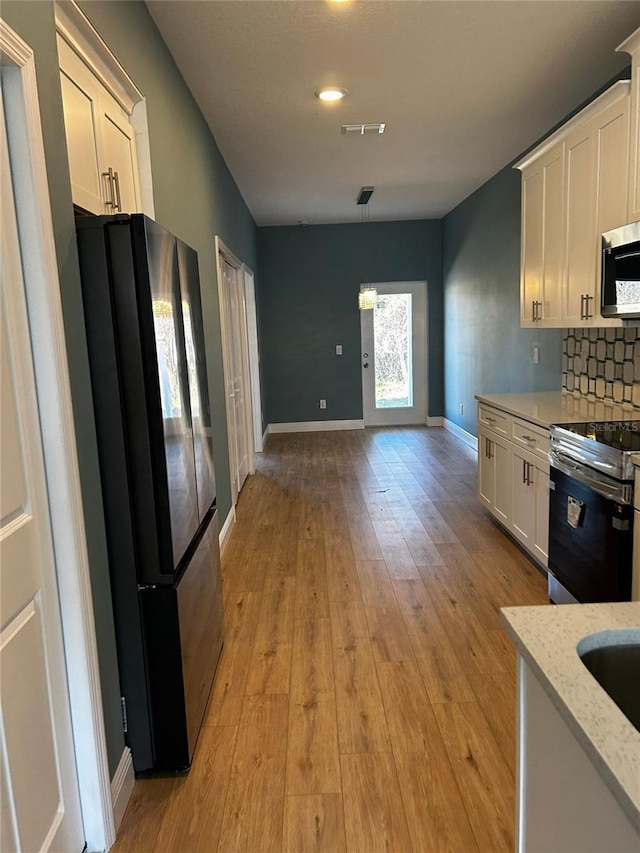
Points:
x=620 y=284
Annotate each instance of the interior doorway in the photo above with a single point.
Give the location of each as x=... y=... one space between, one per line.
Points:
x=394 y=355
x=235 y=358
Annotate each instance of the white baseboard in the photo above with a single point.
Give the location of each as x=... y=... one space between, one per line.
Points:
x=227 y=527
x=462 y=434
x=122 y=786
x=434 y=422
x=315 y=426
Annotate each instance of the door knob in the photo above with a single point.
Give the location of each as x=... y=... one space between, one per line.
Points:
x=366 y=364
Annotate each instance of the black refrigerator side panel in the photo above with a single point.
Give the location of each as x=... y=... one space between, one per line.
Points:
x=197 y=371
x=111 y=436
x=146 y=469
x=166 y=685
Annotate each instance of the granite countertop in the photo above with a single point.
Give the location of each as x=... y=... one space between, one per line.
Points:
x=551 y=407
x=547 y=638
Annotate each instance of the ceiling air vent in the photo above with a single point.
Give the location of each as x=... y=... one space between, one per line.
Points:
x=361 y=129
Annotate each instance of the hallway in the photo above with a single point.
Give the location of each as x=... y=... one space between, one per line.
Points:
x=365 y=697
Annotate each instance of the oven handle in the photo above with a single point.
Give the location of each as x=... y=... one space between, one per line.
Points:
x=620 y=492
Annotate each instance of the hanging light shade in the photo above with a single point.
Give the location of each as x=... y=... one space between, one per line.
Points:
x=367 y=298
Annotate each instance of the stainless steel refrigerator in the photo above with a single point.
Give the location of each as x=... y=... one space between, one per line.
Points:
x=145 y=338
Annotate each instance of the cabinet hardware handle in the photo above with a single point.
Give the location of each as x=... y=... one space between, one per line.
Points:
x=529 y=438
x=529 y=481
x=587 y=314
x=489 y=453
x=533 y=310
x=110 y=202
x=524 y=472
x=490 y=420
x=582 y=317
x=116 y=183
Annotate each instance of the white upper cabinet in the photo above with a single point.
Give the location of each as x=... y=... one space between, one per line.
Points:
x=541 y=259
x=105 y=121
x=632 y=47
x=575 y=185
x=100 y=141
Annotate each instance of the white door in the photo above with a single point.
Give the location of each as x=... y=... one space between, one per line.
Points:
x=40 y=805
x=394 y=355
x=254 y=357
x=236 y=374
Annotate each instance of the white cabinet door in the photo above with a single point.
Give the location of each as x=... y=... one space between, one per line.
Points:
x=531 y=257
x=503 y=496
x=540 y=544
x=80 y=101
x=118 y=153
x=580 y=255
x=486 y=470
x=611 y=136
x=542 y=263
x=553 y=235
x=524 y=498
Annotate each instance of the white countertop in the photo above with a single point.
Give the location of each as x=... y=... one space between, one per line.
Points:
x=547 y=638
x=550 y=407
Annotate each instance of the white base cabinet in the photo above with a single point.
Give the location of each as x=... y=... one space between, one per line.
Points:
x=513 y=477
x=563 y=804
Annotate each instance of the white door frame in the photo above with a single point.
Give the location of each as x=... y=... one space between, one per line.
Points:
x=420 y=324
x=42 y=288
x=223 y=253
x=254 y=357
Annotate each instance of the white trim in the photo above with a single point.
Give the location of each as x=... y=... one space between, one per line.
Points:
x=435 y=421
x=253 y=352
x=227 y=527
x=462 y=434
x=621 y=89
x=264 y=435
x=58 y=433
x=315 y=426
x=80 y=34
x=122 y=786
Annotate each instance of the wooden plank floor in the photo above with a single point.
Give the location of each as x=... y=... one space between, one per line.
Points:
x=365 y=698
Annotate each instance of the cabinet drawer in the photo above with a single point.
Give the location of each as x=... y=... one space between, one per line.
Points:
x=493 y=419
x=532 y=437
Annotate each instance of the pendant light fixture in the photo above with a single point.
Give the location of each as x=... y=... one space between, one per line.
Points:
x=368 y=296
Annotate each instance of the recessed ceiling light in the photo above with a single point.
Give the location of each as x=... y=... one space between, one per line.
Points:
x=331 y=93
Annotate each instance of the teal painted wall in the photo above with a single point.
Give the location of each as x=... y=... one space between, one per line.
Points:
x=485 y=348
x=195 y=197
x=307 y=297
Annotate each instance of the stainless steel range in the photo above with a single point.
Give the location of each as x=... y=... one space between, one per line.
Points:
x=591 y=510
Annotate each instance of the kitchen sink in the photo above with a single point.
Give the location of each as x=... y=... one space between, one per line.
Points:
x=616 y=668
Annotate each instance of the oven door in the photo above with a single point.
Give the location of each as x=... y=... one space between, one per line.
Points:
x=590 y=539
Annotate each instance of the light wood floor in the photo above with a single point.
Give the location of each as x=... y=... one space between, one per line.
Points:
x=365 y=698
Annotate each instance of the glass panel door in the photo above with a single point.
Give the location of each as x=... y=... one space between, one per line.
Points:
x=394 y=355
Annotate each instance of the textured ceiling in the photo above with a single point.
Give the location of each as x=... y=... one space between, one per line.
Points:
x=464 y=87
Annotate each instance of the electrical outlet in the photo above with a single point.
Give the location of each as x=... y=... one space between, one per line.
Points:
x=461 y=409
x=338 y=349
x=536 y=354
x=323 y=404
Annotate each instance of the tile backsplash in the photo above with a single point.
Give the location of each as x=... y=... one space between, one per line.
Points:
x=603 y=364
